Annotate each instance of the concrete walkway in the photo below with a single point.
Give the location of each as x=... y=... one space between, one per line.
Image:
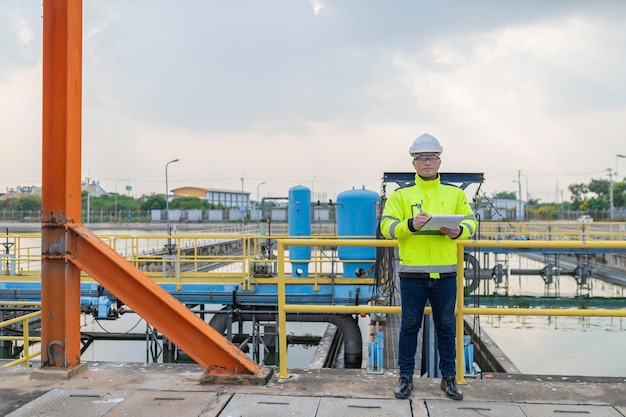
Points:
x=132 y=389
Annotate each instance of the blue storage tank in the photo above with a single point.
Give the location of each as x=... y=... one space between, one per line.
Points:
x=356 y=216
x=299 y=212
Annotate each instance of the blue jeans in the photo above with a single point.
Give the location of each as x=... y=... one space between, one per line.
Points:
x=414 y=293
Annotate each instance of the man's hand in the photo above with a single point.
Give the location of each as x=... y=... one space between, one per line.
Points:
x=420 y=220
x=451 y=233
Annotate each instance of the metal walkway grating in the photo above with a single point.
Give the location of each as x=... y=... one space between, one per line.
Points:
x=72 y=403
x=447 y=408
x=118 y=403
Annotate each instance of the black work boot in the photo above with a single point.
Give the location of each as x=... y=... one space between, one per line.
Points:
x=404 y=387
x=448 y=385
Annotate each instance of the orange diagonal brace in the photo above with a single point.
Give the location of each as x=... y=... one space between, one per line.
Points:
x=195 y=337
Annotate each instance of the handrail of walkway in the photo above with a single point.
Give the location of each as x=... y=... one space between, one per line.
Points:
x=188 y=264
x=461 y=310
x=27 y=355
x=147 y=251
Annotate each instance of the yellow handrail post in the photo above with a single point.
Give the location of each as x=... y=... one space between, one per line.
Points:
x=245 y=262
x=460 y=280
x=26 y=350
x=26 y=339
x=315 y=258
x=179 y=282
x=282 y=314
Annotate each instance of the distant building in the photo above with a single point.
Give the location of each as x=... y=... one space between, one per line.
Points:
x=91 y=186
x=21 y=191
x=226 y=198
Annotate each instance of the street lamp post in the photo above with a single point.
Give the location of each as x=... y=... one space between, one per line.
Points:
x=527 y=195
x=520 y=209
x=610 y=193
x=257 y=191
x=167 y=209
x=617 y=159
x=242 y=208
x=526 y=180
x=88 y=200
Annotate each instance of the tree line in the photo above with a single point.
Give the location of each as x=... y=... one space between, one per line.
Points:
x=594 y=196
x=112 y=202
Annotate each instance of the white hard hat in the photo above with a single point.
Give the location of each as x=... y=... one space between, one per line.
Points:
x=425 y=143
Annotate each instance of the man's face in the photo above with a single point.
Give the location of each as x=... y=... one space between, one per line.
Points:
x=427 y=164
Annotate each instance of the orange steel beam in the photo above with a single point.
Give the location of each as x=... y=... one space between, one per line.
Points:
x=61 y=190
x=194 y=336
x=68 y=247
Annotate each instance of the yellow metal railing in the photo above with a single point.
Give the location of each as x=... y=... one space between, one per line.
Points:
x=25 y=338
x=143 y=250
x=147 y=251
x=461 y=310
x=190 y=258
x=554 y=230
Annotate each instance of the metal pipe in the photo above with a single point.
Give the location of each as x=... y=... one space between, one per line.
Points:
x=352 y=340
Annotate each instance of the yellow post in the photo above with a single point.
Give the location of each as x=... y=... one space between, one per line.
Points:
x=179 y=282
x=460 y=357
x=282 y=314
x=26 y=342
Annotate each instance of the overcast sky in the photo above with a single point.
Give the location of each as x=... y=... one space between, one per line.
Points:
x=328 y=94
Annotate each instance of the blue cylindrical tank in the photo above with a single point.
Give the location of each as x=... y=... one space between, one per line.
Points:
x=299 y=212
x=356 y=216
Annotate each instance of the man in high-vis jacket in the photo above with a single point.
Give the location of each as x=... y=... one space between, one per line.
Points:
x=428 y=260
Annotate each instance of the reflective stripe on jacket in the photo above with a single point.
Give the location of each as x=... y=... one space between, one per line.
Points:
x=429 y=252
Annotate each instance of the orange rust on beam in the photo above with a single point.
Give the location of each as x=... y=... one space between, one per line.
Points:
x=61 y=190
x=62 y=257
x=195 y=337
x=62 y=113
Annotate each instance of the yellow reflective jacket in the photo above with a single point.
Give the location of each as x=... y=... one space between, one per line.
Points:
x=429 y=252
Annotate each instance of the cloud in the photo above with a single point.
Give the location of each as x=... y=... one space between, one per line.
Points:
x=285 y=95
x=20 y=127
x=520 y=95
x=20 y=37
x=318 y=5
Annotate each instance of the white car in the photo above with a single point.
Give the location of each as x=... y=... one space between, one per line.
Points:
x=585 y=218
